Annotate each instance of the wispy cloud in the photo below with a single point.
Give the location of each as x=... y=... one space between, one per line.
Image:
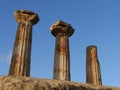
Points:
x=6 y=57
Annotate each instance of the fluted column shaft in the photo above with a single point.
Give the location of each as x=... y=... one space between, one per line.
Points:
x=93 y=74
x=21 y=56
x=62 y=58
x=62 y=31
x=22 y=50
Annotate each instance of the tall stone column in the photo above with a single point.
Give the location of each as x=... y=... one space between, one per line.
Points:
x=62 y=31
x=93 y=74
x=20 y=62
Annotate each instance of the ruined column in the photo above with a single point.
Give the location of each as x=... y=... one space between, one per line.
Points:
x=20 y=61
x=93 y=74
x=62 y=31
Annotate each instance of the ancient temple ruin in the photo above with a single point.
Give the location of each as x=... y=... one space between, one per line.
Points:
x=62 y=31
x=21 y=56
x=93 y=74
x=20 y=62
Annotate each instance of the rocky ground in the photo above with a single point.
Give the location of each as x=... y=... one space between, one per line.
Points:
x=28 y=83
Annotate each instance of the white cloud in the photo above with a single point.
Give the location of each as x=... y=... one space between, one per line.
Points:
x=6 y=57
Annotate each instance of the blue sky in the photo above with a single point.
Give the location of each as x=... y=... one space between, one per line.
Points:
x=96 y=22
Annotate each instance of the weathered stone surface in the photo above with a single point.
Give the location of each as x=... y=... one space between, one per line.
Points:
x=61 y=31
x=61 y=27
x=93 y=73
x=26 y=16
x=27 y=83
x=20 y=62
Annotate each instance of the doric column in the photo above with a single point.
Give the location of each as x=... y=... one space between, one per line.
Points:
x=93 y=74
x=20 y=62
x=62 y=31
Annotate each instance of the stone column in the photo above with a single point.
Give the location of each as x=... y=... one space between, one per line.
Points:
x=93 y=74
x=20 y=62
x=62 y=31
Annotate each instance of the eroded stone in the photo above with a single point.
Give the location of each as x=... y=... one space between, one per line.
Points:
x=61 y=27
x=21 y=56
x=62 y=31
x=93 y=73
x=26 y=16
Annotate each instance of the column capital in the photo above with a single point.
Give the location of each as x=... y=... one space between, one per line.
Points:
x=26 y=16
x=61 y=27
